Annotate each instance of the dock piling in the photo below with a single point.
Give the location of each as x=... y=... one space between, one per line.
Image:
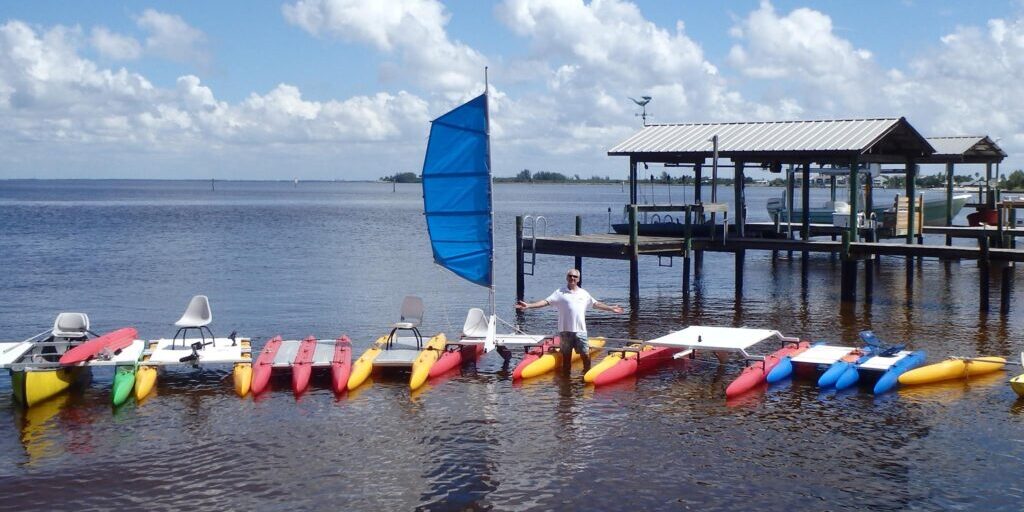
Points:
x=984 y=274
x=578 y=260
x=520 y=278
x=634 y=260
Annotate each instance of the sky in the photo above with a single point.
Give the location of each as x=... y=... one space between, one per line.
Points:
x=346 y=89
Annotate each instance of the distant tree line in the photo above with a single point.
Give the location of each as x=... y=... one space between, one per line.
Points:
x=402 y=177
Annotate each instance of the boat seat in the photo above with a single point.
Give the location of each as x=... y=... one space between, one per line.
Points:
x=410 y=317
x=71 y=325
x=476 y=324
x=197 y=316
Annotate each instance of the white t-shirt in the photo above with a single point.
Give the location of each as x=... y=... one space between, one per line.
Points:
x=572 y=307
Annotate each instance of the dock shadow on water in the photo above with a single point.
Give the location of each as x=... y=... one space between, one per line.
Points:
x=472 y=440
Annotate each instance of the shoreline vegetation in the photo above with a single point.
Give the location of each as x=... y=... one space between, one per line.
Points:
x=1012 y=181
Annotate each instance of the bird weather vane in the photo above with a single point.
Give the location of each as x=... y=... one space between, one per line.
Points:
x=642 y=102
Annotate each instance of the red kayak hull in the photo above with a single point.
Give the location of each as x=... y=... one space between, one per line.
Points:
x=261 y=369
x=341 y=365
x=453 y=358
x=533 y=354
x=644 y=361
x=112 y=341
x=302 y=366
x=756 y=374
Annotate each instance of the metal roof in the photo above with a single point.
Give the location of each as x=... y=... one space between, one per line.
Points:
x=968 y=148
x=773 y=140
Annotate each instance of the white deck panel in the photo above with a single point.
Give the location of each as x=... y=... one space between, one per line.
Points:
x=128 y=355
x=220 y=352
x=396 y=357
x=733 y=339
x=823 y=354
x=879 y=363
x=324 y=353
x=286 y=353
x=11 y=351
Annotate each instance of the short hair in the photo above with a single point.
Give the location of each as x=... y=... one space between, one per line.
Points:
x=573 y=271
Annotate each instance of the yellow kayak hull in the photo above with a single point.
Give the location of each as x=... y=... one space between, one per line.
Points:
x=952 y=369
x=548 y=362
x=609 y=361
x=35 y=386
x=1017 y=384
x=363 y=367
x=145 y=381
x=242 y=376
x=428 y=356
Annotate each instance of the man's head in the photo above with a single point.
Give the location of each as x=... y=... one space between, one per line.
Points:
x=572 y=278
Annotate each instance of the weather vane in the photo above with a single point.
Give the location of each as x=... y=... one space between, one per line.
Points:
x=642 y=102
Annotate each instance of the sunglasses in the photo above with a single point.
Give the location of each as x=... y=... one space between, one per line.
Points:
x=573 y=276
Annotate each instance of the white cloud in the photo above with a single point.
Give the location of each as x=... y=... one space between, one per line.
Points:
x=57 y=105
x=114 y=46
x=591 y=58
x=172 y=38
x=801 y=48
x=413 y=29
x=968 y=82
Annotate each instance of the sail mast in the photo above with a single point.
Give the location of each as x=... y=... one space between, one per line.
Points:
x=490 y=171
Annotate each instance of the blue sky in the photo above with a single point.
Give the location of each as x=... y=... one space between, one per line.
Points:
x=345 y=89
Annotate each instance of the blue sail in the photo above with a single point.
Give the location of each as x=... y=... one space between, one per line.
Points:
x=457 y=192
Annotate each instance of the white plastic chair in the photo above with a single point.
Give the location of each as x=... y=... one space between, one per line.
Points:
x=410 y=318
x=197 y=316
x=476 y=324
x=71 y=325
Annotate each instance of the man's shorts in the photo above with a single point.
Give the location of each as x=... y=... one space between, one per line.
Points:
x=573 y=340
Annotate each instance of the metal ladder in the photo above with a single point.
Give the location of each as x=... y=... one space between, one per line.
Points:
x=530 y=230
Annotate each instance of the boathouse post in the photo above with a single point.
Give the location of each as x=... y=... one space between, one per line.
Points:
x=698 y=198
x=578 y=260
x=949 y=200
x=520 y=279
x=738 y=189
x=984 y=273
x=854 y=183
x=687 y=246
x=696 y=183
x=632 y=180
x=634 y=263
x=911 y=174
x=805 y=197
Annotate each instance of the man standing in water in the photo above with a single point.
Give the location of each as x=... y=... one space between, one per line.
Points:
x=572 y=303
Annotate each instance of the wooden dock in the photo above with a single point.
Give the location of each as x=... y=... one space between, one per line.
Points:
x=995 y=251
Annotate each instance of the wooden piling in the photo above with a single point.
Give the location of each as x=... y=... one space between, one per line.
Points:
x=578 y=260
x=1005 y=288
x=740 y=256
x=848 y=272
x=634 y=257
x=984 y=274
x=687 y=248
x=949 y=199
x=520 y=278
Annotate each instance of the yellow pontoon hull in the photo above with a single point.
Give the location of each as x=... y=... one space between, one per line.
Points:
x=428 y=356
x=952 y=369
x=363 y=367
x=551 y=360
x=34 y=386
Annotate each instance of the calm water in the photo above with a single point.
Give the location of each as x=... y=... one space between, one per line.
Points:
x=327 y=258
